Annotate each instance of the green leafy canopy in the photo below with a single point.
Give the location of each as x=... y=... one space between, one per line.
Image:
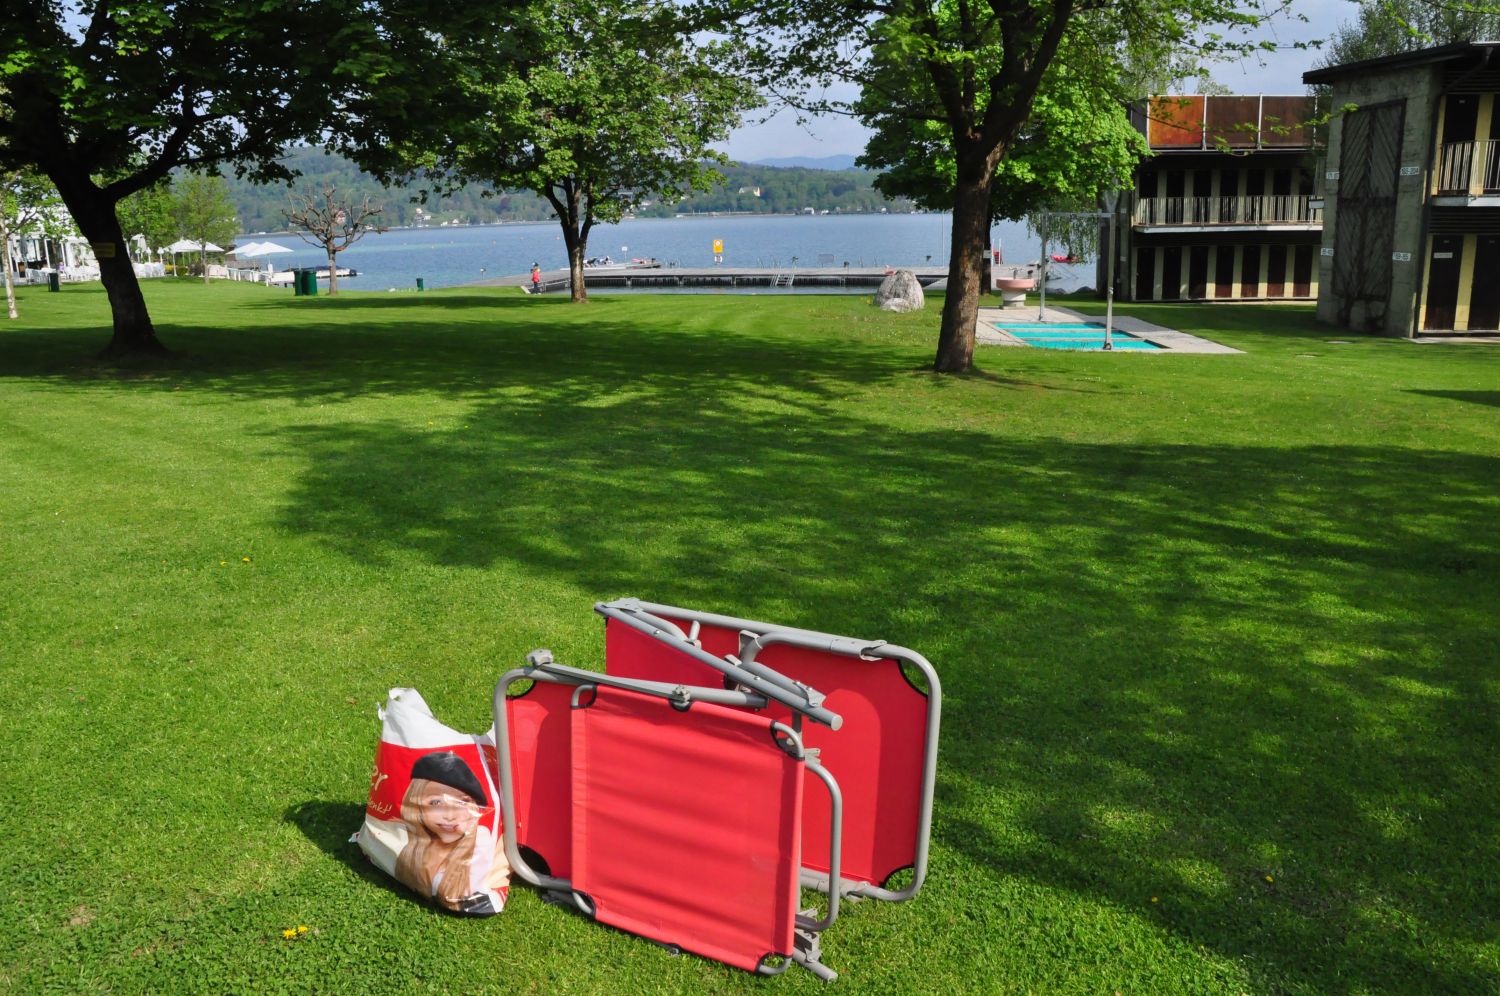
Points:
x=614 y=104
x=1076 y=142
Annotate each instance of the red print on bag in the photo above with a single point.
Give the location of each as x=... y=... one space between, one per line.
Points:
x=392 y=777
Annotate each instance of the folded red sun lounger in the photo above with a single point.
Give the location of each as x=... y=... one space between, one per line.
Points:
x=668 y=796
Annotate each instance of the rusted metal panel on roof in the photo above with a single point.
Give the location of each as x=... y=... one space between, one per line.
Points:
x=1284 y=122
x=1233 y=121
x=1175 y=123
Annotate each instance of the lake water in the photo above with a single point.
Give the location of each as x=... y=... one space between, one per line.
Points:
x=453 y=256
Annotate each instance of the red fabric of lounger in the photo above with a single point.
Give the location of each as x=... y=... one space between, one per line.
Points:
x=629 y=653
x=686 y=825
x=540 y=745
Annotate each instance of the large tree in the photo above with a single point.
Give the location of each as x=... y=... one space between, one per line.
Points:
x=615 y=104
x=1076 y=139
x=106 y=97
x=973 y=66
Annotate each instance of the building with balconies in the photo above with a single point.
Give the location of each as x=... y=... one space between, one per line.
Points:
x=1411 y=240
x=1227 y=206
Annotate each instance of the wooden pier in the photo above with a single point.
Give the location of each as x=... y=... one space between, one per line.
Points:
x=832 y=278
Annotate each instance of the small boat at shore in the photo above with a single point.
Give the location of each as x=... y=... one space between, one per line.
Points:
x=605 y=263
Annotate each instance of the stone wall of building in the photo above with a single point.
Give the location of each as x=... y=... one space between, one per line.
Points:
x=1419 y=88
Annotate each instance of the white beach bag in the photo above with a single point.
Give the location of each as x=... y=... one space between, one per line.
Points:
x=432 y=820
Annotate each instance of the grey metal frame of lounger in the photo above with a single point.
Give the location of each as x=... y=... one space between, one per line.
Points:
x=655 y=619
x=756 y=691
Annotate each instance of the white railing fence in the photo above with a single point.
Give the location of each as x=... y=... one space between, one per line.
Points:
x=1468 y=168
x=1268 y=209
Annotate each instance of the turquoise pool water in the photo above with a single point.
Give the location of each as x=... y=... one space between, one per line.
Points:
x=1073 y=336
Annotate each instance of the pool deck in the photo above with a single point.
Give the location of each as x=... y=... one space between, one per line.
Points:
x=1170 y=340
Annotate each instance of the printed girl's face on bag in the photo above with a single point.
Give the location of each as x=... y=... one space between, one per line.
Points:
x=447 y=815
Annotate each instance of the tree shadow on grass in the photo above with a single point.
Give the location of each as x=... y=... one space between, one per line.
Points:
x=471 y=356
x=1491 y=398
x=1251 y=681
x=406 y=300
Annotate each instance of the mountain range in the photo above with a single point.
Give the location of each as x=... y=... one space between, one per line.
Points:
x=780 y=186
x=809 y=162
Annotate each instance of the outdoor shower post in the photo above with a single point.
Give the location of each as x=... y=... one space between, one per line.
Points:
x=1111 y=200
x=1041 y=313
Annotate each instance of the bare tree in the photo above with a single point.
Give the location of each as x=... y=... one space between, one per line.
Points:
x=324 y=220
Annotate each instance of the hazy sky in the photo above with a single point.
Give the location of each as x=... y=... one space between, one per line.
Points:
x=1278 y=72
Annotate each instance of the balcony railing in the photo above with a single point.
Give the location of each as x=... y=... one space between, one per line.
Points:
x=1271 y=209
x=1468 y=169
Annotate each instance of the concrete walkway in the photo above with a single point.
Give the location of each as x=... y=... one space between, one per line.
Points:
x=1170 y=340
x=1467 y=337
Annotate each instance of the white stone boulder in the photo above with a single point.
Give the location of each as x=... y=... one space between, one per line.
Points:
x=900 y=292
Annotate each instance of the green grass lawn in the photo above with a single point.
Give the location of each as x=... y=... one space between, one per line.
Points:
x=1218 y=634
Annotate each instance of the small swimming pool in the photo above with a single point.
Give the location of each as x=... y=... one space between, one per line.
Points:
x=1079 y=335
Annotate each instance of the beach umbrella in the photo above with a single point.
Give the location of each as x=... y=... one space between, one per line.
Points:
x=180 y=246
x=263 y=249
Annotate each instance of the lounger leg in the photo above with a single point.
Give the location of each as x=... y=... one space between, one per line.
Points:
x=809 y=953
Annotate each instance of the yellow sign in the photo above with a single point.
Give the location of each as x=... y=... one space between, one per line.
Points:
x=103 y=250
x=718 y=246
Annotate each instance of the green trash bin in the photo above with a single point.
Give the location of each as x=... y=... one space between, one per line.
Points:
x=54 y=282
x=296 y=283
x=421 y=284
x=309 y=280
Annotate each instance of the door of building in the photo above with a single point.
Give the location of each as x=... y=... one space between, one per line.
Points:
x=1197 y=272
x=1366 y=214
x=1442 y=281
x=1484 y=300
x=1171 y=273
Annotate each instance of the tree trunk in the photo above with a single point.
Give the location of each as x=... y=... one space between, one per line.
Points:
x=94 y=214
x=565 y=199
x=576 y=257
x=10 y=284
x=971 y=239
x=333 y=273
x=203 y=262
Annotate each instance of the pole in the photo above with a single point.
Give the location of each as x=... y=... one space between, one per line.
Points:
x=1041 y=313
x=1109 y=299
